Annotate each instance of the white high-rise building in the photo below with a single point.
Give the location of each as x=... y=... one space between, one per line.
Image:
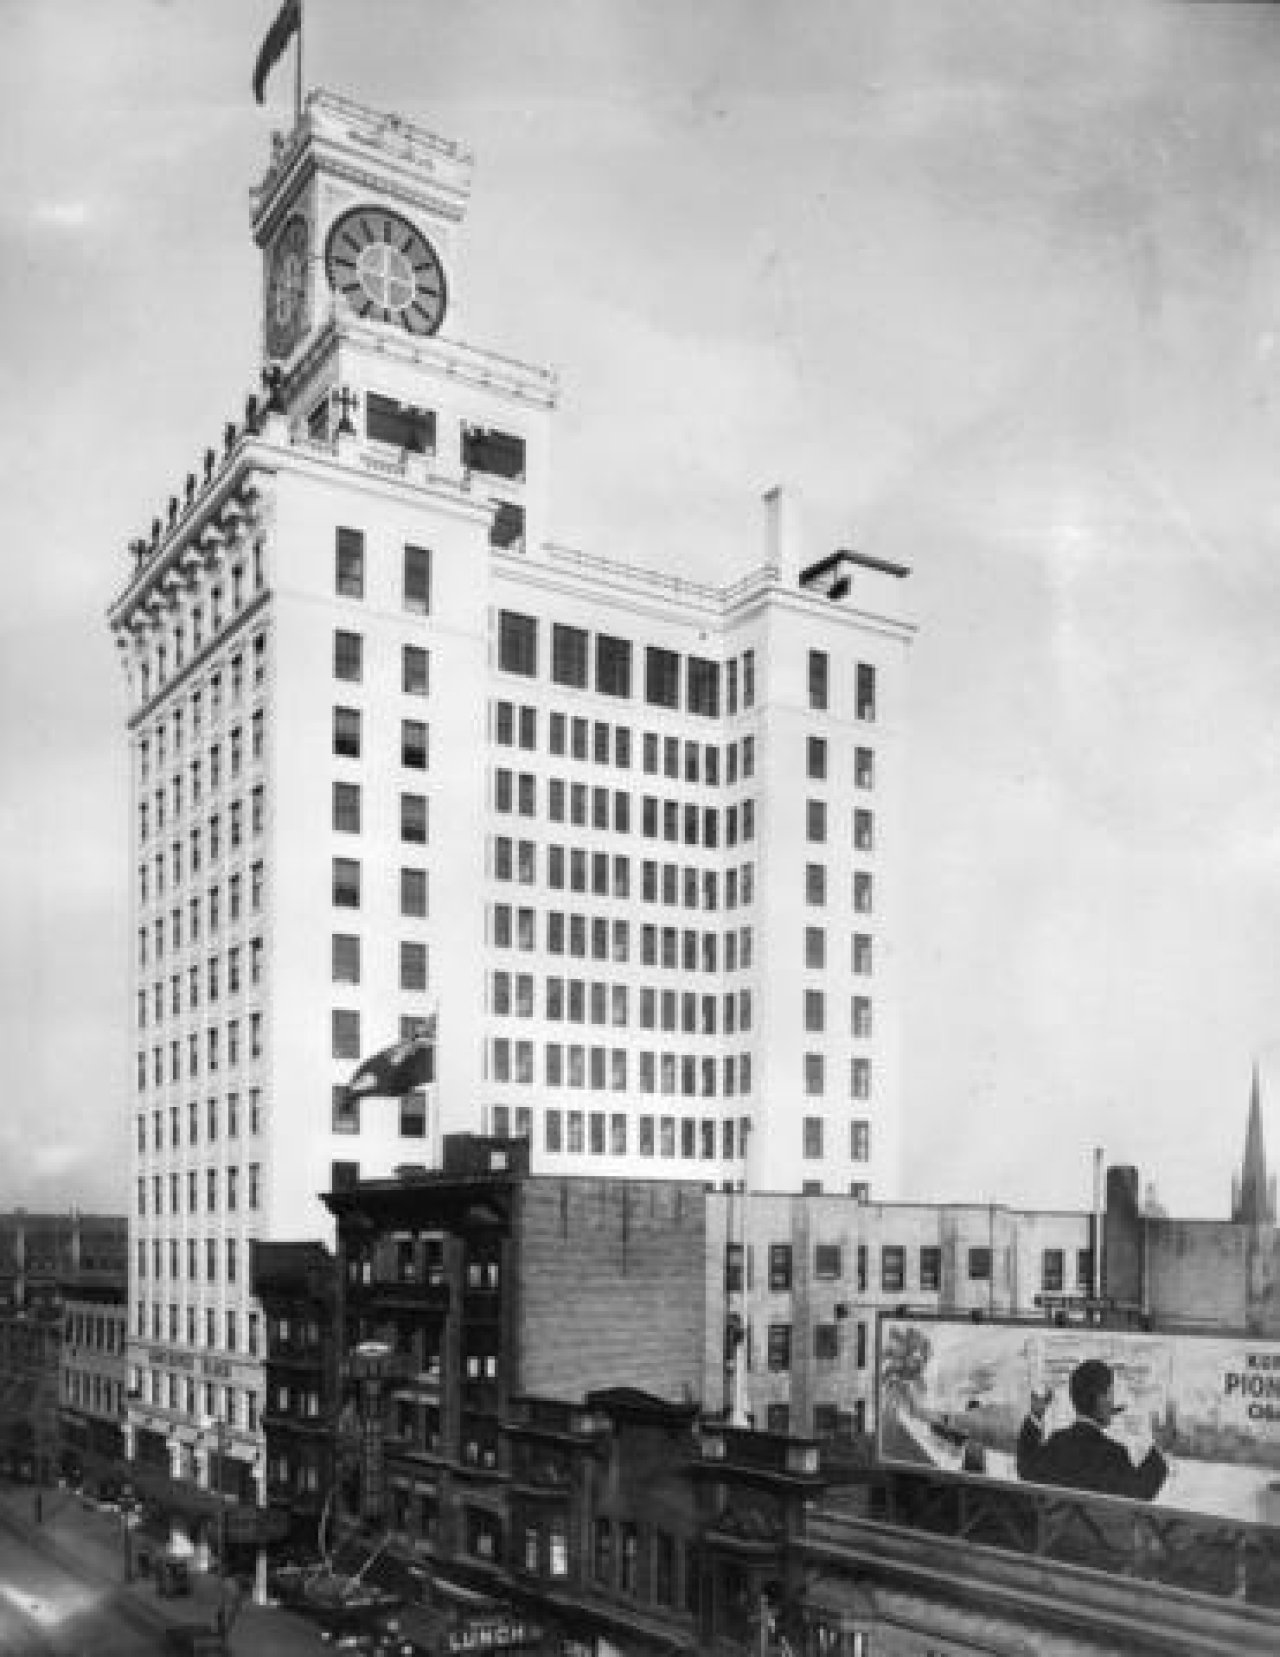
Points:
x=632 y=837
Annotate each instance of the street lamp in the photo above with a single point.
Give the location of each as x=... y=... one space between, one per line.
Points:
x=216 y=1426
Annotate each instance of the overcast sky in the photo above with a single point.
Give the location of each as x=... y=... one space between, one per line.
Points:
x=995 y=287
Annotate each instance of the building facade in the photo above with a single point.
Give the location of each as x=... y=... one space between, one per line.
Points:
x=54 y=1267
x=631 y=838
x=795 y=1284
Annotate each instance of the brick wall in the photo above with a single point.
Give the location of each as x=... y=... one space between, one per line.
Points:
x=610 y=1287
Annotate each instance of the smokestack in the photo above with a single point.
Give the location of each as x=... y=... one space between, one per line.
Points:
x=781 y=534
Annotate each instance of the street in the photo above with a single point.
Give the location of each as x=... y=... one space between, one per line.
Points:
x=45 y=1608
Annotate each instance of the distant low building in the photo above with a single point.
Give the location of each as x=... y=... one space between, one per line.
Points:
x=47 y=1260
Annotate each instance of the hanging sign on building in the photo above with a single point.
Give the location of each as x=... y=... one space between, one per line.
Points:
x=492 y=1634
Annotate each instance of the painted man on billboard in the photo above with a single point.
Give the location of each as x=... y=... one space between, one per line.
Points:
x=1082 y=1456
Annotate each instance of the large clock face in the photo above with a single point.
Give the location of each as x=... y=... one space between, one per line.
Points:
x=386 y=270
x=287 y=289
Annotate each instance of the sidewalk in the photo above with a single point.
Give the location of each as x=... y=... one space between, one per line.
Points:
x=91 y=1543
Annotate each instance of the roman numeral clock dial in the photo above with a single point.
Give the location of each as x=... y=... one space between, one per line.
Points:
x=386 y=270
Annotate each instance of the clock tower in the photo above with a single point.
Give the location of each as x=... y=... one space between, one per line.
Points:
x=356 y=219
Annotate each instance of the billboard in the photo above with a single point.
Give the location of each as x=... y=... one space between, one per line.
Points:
x=1193 y=1422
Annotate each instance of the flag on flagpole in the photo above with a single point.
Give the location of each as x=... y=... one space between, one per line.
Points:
x=287 y=24
x=397 y=1070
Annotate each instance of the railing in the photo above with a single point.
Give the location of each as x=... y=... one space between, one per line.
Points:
x=1219 y=1558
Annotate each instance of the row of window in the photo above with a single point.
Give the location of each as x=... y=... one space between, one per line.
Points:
x=346 y=887
x=348 y=738
x=185 y=789
x=672 y=820
x=815 y=1087
x=347 y=813
x=670 y=680
x=229 y=1255
x=217 y=1182
x=576 y=869
x=346 y=961
x=829 y=1266
x=186 y=720
x=575 y=737
x=349 y=572
x=213 y=1118
x=212 y=977
x=91 y=1391
x=348 y=663
x=580 y=935
x=209 y=835
x=179 y=1394
x=411 y=1113
x=600 y=1133
x=207 y=907
x=93 y=1332
x=583 y=1001
x=165 y=662
x=214 y=1052
x=600 y=1069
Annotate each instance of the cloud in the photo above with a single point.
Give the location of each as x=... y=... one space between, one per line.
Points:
x=63 y=215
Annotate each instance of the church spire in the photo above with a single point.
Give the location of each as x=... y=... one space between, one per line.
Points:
x=1254 y=1197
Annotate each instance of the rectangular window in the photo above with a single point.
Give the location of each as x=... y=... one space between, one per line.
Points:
x=816 y=758
x=346 y=883
x=813 y=1138
x=864 y=768
x=613 y=667
x=413 y=744
x=417 y=580
x=779 y=1267
x=979 y=1265
x=517 y=643
x=346 y=958
x=815 y=884
x=415 y=671
x=779 y=1351
x=819 y=674
x=865 y=704
x=413 y=892
x=931 y=1268
x=346 y=807
x=815 y=1080
x=860 y=1141
x=344 y=1111
x=348 y=653
x=349 y=562
x=1052 y=1271
x=661 y=678
x=569 y=656
x=704 y=687
x=497 y=453
x=826 y=1346
x=864 y=837
x=893 y=1268
x=399 y=424
x=826 y=1261
x=413 y=966
x=346 y=1034
x=413 y=819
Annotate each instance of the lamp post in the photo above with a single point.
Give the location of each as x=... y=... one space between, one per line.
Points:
x=217 y=1427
